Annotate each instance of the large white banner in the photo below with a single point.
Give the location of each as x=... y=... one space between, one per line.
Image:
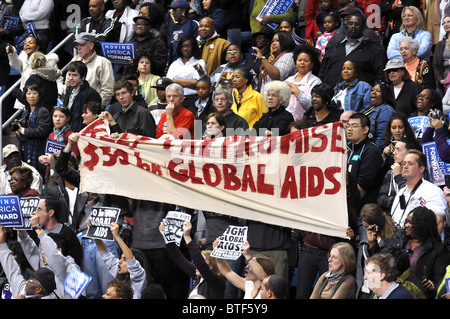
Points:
x=297 y=180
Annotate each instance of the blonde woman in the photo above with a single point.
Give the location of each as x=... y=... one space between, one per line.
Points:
x=338 y=282
x=413 y=27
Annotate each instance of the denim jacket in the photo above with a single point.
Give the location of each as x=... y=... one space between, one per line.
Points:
x=379 y=118
x=357 y=97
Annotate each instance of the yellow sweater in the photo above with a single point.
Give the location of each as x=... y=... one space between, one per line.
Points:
x=147 y=91
x=252 y=107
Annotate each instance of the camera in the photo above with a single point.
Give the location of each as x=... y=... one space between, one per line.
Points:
x=436 y=114
x=201 y=72
x=14 y=126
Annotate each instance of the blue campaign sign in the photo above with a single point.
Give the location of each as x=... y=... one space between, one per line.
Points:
x=419 y=124
x=10 y=211
x=52 y=146
x=437 y=169
x=75 y=283
x=274 y=7
x=29 y=31
x=28 y=205
x=9 y=22
x=118 y=53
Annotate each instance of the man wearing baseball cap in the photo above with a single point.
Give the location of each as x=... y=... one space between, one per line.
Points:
x=100 y=75
x=11 y=158
x=158 y=108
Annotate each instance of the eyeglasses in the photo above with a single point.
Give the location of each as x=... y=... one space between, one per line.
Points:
x=61 y=106
x=423 y=97
x=233 y=51
x=29 y=42
x=34 y=282
x=353 y=126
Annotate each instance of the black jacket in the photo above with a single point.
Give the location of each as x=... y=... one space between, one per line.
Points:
x=310 y=117
x=153 y=46
x=209 y=108
x=80 y=214
x=136 y=120
x=278 y=119
x=364 y=162
x=369 y=55
x=406 y=101
x=85 y=95
x=432 y=261
x=45 y=78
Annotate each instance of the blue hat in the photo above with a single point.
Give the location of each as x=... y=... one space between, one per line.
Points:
x=179 y=4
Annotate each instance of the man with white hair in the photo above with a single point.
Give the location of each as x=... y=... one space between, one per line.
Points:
x=177 y=121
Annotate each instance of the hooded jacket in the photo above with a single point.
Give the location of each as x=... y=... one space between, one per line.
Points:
x=45 y=78
x=21 y=63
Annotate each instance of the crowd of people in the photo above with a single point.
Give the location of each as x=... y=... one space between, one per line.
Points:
x=195 y=76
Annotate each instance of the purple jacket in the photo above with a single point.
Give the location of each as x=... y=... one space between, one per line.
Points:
x=441 y=142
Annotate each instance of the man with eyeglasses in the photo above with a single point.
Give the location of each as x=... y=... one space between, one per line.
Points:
x=364 y=159
x=41 y=283
x=223 y=75
x=146 y=43
x=357 y=44
x=11 y=158
x=48 y=216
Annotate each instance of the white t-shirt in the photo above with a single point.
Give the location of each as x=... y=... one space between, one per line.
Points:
x=72 y=199
x=249 y=285
x=428 y=195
